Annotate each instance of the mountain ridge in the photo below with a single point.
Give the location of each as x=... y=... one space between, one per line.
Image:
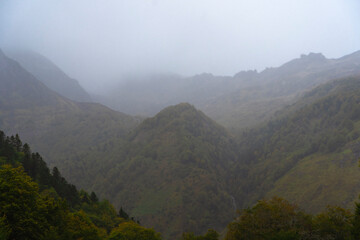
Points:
x=49 y=74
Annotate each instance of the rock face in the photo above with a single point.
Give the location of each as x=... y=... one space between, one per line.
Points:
x=49 y=74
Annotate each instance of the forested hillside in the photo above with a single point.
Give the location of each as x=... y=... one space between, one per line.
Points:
x=76 y=137
x=309 y=153
x=49 y=74
x=175 y=174
x=36 y=204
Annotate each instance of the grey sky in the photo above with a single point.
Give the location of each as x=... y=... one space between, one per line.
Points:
x=96 y=41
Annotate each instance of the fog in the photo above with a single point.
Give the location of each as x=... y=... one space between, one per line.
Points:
x=98 y=42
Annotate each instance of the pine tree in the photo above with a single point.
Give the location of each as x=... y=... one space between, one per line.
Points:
x=123 y=214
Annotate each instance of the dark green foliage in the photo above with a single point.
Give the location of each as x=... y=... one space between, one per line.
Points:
x=210 y=235
x=93 y=197
x=14 y=153
x=123 y=214
x=19 y=204
x=4 y=229
x=40 y=210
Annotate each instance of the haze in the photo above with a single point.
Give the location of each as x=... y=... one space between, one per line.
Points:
x=98 y=42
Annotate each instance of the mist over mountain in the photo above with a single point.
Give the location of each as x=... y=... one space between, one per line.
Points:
x=49 y=74
x=237 y=102
x=44 y=119
x=184 y=120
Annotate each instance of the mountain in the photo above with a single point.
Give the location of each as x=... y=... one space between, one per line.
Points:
x=49 y=74
x=238 y=102
x=308 y=153
x=175 y=173
x=73 y=136
x=180 y=171
x=170 y=171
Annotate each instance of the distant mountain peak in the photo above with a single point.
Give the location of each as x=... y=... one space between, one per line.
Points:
x=313 y=56
x=181 y=107
x=246 y=74
x=183 y=118
x=170 y=114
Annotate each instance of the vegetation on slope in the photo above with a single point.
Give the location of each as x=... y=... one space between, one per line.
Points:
x=175 y=173
x=309 y=154
x=278 y=219
x=36 y=204
x=72 y=136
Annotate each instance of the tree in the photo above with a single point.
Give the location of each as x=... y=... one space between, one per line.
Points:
x=270 y=219
x=93 y=197
x=123 y=214
x=356 y=222
x=210 y=235
x=19 y=204
x=334 y=223
x=4 y=229
x=132 y=231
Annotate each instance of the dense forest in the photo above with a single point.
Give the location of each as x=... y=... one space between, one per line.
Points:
x=37 y=204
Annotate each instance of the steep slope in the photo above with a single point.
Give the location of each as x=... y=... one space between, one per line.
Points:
x=247 y=98
x=49 y=74
x=175 y=174
x=309 y=154
x=37 y=204
x=73 y=136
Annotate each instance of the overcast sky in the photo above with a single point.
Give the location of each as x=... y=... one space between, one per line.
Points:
x=96 y=41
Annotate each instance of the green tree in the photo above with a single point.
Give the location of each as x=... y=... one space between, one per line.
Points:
x=210 y=235
x=270 y=219
x=93 y=197
x=132 y=231
x=123 y=214
x=334 y=223
x=80 y=226
x=19 y=204
x=4 y=229
x=356 y=222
